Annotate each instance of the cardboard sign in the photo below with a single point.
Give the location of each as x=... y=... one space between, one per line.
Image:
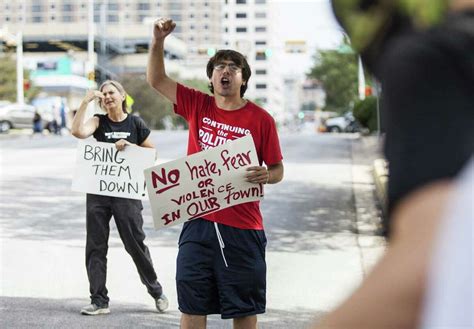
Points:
x=102 y=169
x=202 y=183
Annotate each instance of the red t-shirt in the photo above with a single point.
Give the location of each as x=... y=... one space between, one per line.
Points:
x=211 y=126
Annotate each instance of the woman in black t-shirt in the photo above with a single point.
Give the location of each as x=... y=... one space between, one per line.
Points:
x=122 y=129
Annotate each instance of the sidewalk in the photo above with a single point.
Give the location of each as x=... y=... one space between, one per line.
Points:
x=366 y=150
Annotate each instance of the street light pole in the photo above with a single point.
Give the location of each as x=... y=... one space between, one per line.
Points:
x=90 y=40
x=20 y=96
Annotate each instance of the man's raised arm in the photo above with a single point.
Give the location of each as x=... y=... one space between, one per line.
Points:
x=156 y=74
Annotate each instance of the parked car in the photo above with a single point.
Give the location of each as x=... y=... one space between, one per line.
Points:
x=346 y=123
x=21 y=116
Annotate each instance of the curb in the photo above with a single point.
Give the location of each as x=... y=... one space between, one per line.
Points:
x=380 y=172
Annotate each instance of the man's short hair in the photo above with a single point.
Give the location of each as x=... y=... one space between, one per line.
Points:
x=238 y=59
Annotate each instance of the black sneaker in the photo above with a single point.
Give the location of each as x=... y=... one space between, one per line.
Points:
x=161 y=303
x=94 y=309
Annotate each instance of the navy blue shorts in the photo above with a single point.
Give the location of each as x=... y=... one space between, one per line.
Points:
x=205 y=285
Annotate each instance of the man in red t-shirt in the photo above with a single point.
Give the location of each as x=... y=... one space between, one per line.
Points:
x=209 y=278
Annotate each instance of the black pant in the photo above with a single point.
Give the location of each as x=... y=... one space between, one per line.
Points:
x=129 y=221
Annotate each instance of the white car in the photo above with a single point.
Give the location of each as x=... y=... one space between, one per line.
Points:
x=20 y=116
x=346 y=123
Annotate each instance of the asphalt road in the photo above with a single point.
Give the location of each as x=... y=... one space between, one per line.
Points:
x=318 y=249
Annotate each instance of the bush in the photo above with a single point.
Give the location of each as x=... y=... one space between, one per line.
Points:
x=365 y=111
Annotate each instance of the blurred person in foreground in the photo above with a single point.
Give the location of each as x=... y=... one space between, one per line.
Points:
x=423 y=53
x=122 y=129
x=209 y=278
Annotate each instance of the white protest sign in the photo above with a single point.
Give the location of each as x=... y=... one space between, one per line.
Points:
x=202 y=183
x=102 y=169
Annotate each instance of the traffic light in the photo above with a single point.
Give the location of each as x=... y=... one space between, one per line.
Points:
x=26 y=84
x=91 y=76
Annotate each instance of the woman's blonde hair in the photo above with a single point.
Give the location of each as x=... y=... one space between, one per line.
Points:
x=121 y=90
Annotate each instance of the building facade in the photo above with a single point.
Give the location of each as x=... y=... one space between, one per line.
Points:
x=122 y=32
x=248 y=29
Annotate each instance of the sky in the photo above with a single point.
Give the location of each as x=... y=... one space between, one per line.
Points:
x=310 y=20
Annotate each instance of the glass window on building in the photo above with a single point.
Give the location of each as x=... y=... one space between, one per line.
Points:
x=261 y=86
x=143 y=6
x=240 y=2
x=36 y=19
x=176 y=17
x=260 y=15
x=113 y=6
x=67 y=18
x=260 y=72
x=260 y=29
x=175 y=5
x=36 y=8
x=240 y=29
x=260 y=2
x=241 y=15
x=67 y=7
x=112 y=18
x=260 y=43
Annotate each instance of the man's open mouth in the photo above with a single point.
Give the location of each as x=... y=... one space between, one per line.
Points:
x=225 y=82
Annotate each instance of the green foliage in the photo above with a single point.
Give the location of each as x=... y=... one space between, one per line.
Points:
x=8 y=80
x=155 y=109
x=365 y=111
x=201 y=85
x=151 y=106
x=337 y=71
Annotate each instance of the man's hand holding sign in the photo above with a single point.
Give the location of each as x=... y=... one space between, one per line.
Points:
x=205 y=182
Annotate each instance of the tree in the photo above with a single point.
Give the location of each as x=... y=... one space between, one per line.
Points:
x=8 y=80
x=151 y=106
x=365 y=111
x=155 y=109
x=337 y=71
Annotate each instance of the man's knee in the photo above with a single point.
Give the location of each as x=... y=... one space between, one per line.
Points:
x=190 y=321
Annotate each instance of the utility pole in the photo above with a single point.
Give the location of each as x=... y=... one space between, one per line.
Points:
x=20 y=93
x=90 y=69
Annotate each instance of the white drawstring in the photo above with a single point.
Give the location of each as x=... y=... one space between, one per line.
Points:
x=221 y=243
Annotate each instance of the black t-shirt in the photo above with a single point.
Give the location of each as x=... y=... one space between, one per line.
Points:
x=428 y=105
x=133 y=129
